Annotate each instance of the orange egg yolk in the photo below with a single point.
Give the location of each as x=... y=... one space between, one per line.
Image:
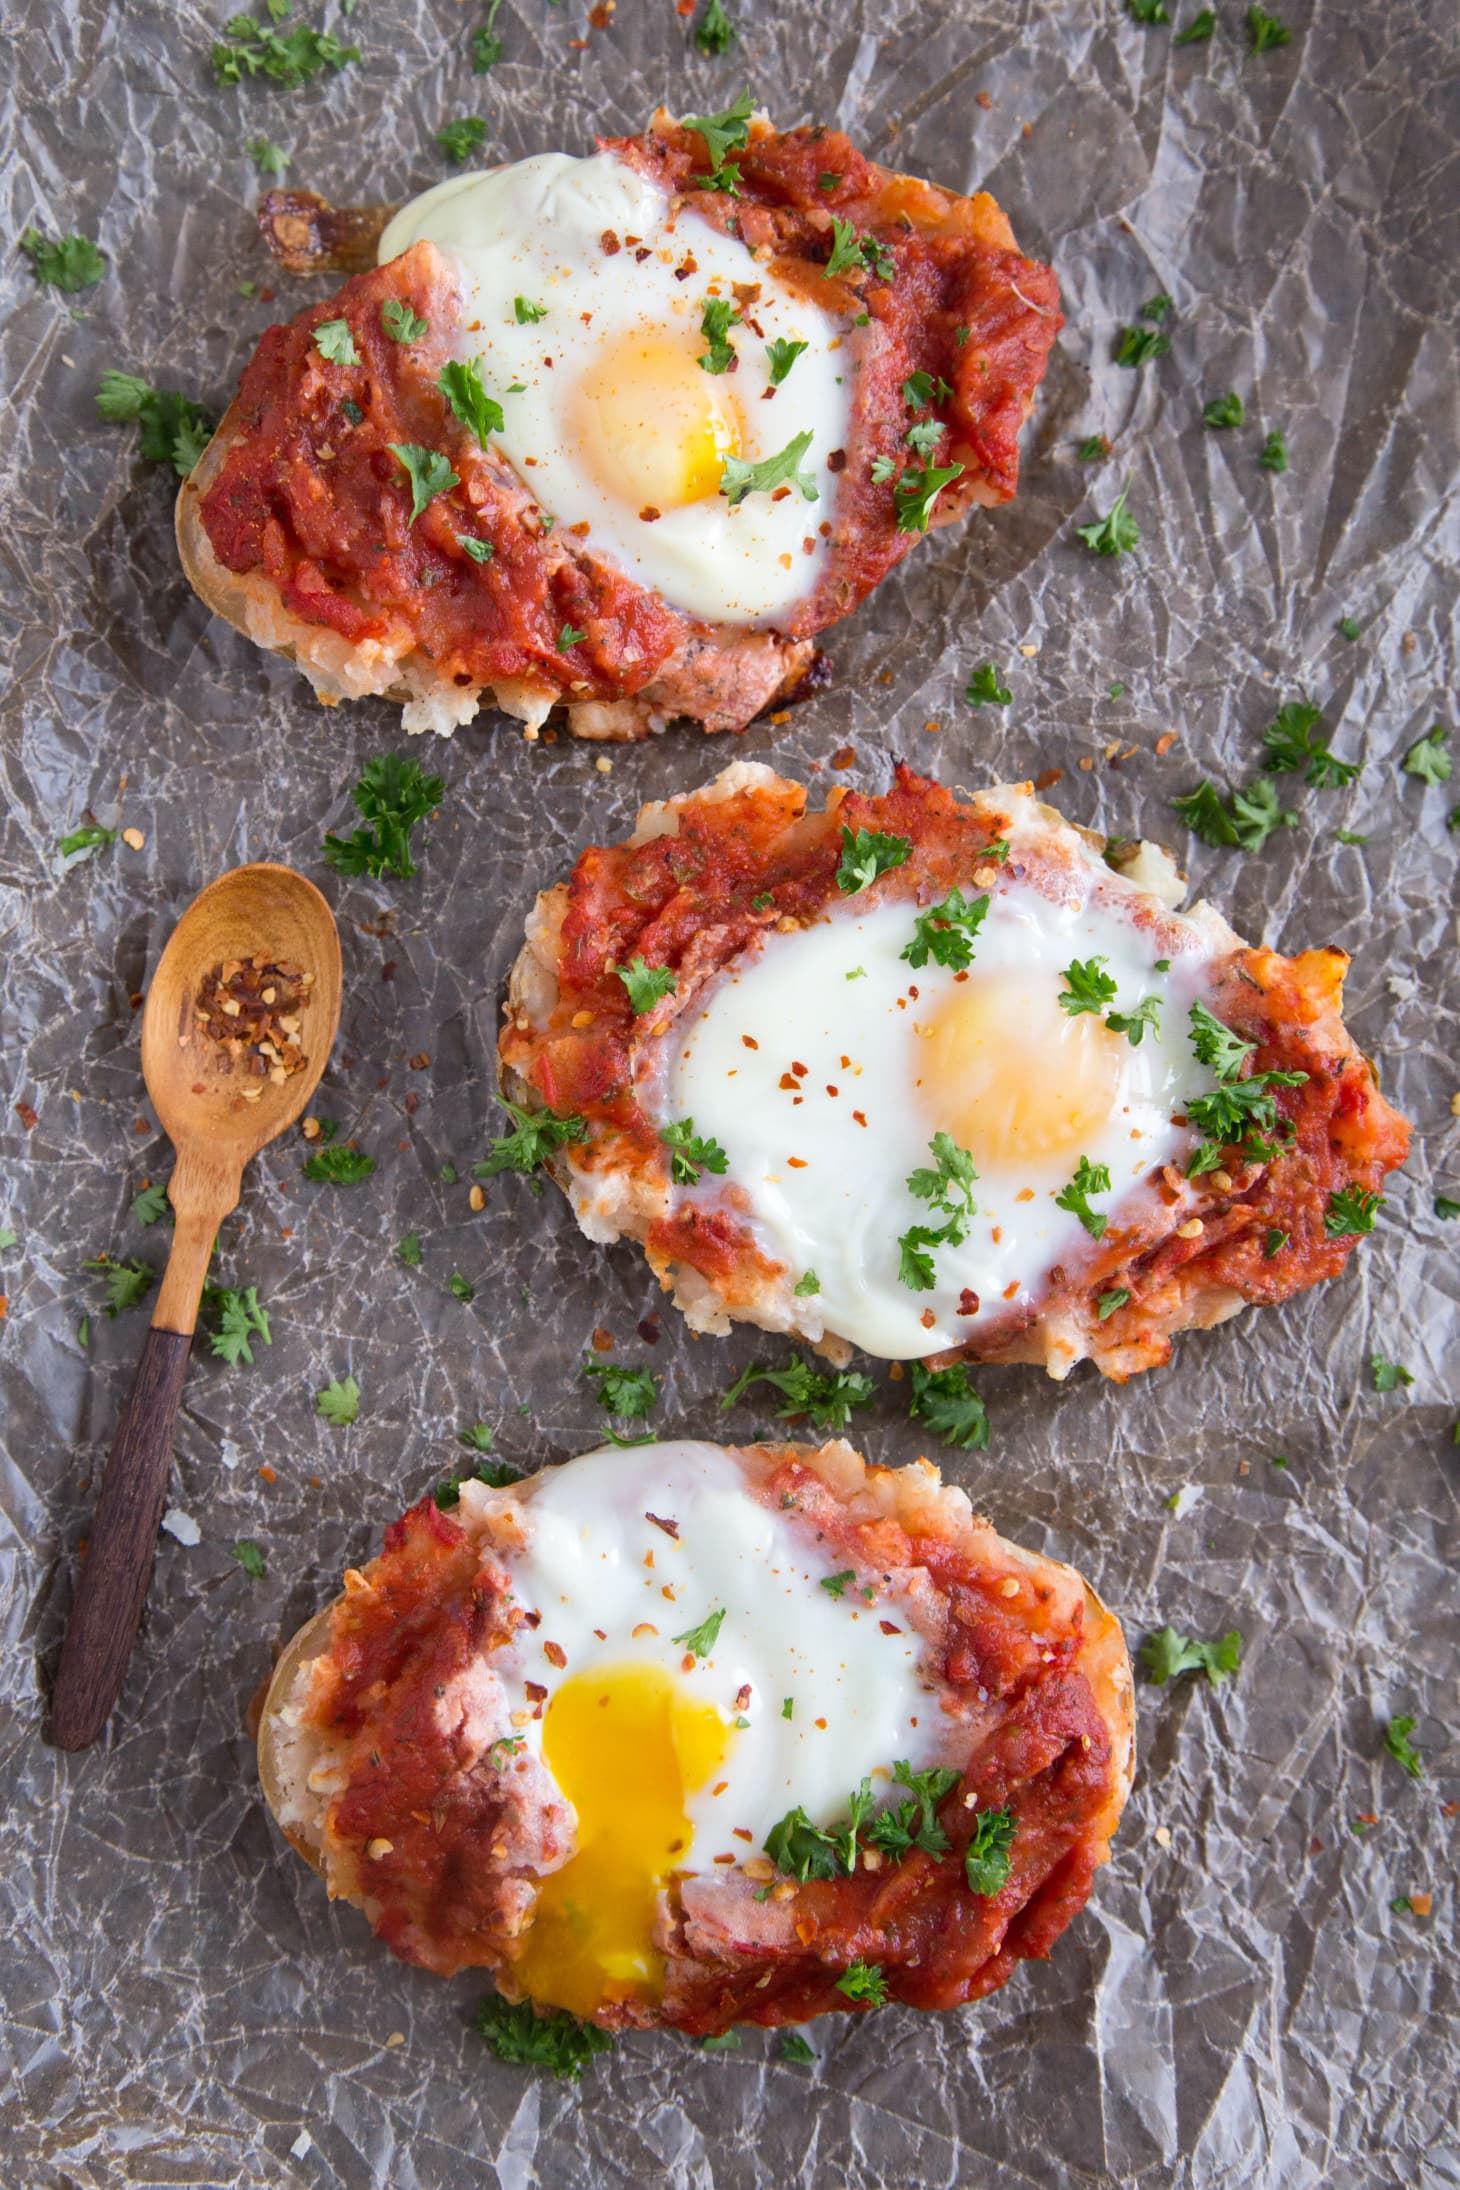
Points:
x=626 y=1745
x=1011 y=1076
x=653 y=428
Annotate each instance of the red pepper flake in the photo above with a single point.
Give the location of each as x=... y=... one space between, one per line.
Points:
x=832 y=1090
x=845 y=756
x=609 y=244
x=799 y=1070
x=968 y=1302
x=1049 y=777
x=821 y=1723
x=927 y=1319
x=724 y=1859
x=535 y=1691
x=27 y=1117
x=602 y=1341
x=796 y=1163
x=648 y=515
x=985 y=99
x=268 y=1474
x=741 y=1832
x=555 y=1654
x=1011 y=1290
x=786 y=1081
x=860 y=1117
x=670 y=1528
x=749 y=1041
x=889 y=1627
x=742 y=1697
x=837 y=461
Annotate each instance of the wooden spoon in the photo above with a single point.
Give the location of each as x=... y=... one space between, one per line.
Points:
x=196 y=1088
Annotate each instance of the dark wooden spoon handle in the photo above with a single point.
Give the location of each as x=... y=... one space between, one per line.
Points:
x=111 y=1586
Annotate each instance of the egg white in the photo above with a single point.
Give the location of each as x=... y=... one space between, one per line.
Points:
x=535 y=230
x=860 y=1701
x=826 y=1193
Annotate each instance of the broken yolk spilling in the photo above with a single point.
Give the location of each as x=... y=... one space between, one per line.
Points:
x=626 y=1746
x=653 y=428
x=1012 y=1077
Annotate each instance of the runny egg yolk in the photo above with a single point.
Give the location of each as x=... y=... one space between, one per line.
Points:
x=651 y=425
x=626 y=1745
x=1011 y=1076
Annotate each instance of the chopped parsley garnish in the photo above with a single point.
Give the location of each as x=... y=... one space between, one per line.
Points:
x=1215 y=1044
x=150 y=1206
x=334 y=342
x=1147 y=11
x=1107 y=1303
x=1157 y=307
x=1198 y=30
x=70 y=264
x=807 y=1285
x=1427 y=757
x=762 y=901
x=1247 y=819
x=714 y=32
x=1224 y=411
x=788 y=1707
x=739 y=478
x=700 y=1641
x=723 y=133
x=127 y=1283
x=338 y=1166
x=461 y=1287
x=1116 y=533
x=920 y=389
x=174 y=429
x=569 y=637
x=824 y=1400
x=549 y=2038
x=401 y=322
x=428 y=470
x=783 y=356
x=290 y=58
x=339 y=1402
x=984 y=689
x=89 y=836
x=849 y=250
x=716 y=321
x=728 y=2041
x=948 y=1403
x=1240 y=1114
x=644 y=983
x=1388 y=1375
x=484 y=45
x=914 y=1824
x=1090 y=1178
x=1086 y=987
x=528 y=313
x=1265 y=31
x=480 y=551
x=408 y=1250
x=393 y=796
x=1136 y=346
x=1446 y=1209
x=1351 y=1209
x=1291 y=745
x=1165 y=1656
x=630 y=1392
x=458 y=140
x=1349 y=627
x=795 y=2048
x=240 y=1321
x=476 y=1437
x=1133 y=1024
x=497 y=1476
x=250 y=1558
x=1274 y=453
x=916 y=492
x=1401 y=1748
x=835 y=1585
x=469 y=402
x=1093 y=449
x=536 y=1136
x=863 y=1981
x=923 y=439
x=947 y=1185
x=988 y=1860
x=946 y=932
x=689 y=1154
x=866 y=854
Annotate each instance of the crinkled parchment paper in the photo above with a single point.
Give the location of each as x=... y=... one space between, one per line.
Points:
x=1239 y=2005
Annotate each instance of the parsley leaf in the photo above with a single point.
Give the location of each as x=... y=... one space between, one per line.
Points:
x=916 y=492
x=645 y=984
x=849 y=250
x=948 y=1403
x=1136 y=346
x=716 y=321
x=690 y=1154
x=401 y=322
x=339 y=1402
x=240 y=1321
x=1107 y=1303
x=1116 y=533
x=477 y=1437
x=429 y=472
x=90 y=836
x=826 y=1401
x=723 y=133
x=1133 y=1024
x=470 y=404
x=1274 y=454
x=1349 y=627
x=1086 y=987
x=835 y=1585
x=1166 y=1656
x=1401 y=1748
x=458 y=140
x=290 y=58
x=70 y=264
x=908 y=1825
x=1215 y=1044
x=570 y=637
x=269 y=159
x=530 y=2037
x=1351 y=1209
x=1198 y=30
x=1224 y=411
x=393 y=796
x=1446 y=1209
x=527 y=313
x=807 y=1285
x=714 y=32
x=1427 y=757
x=538 y=1133
x=920 y=389
x=739 y=478
x=127 y=1283
x=630 y=1392
x=988 y=1861
x=783 y=356
x=1387 y=1375
x=1265 y=31
x=984 y=688
x=1090 y=1178
x=866 y=854
x=1147 y=11
x=700 y=1641
x=338 y=1166
x=484 y=45
x=946 y=932
x=795 y=2048
x=480 y=551
x=948 y=1186
x=150 y=1206
x=1291 y=745
x=863 y=1981
x=1093 y=449
x=1239 y=1114
x=174 y=429
x=924 y=439
x=334 y=342
x=1248 y=820
x=250 y=1558
x=802 y=1850
x=461 y=1288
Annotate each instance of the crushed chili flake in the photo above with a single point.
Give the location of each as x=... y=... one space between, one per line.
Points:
x=250 y=1011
